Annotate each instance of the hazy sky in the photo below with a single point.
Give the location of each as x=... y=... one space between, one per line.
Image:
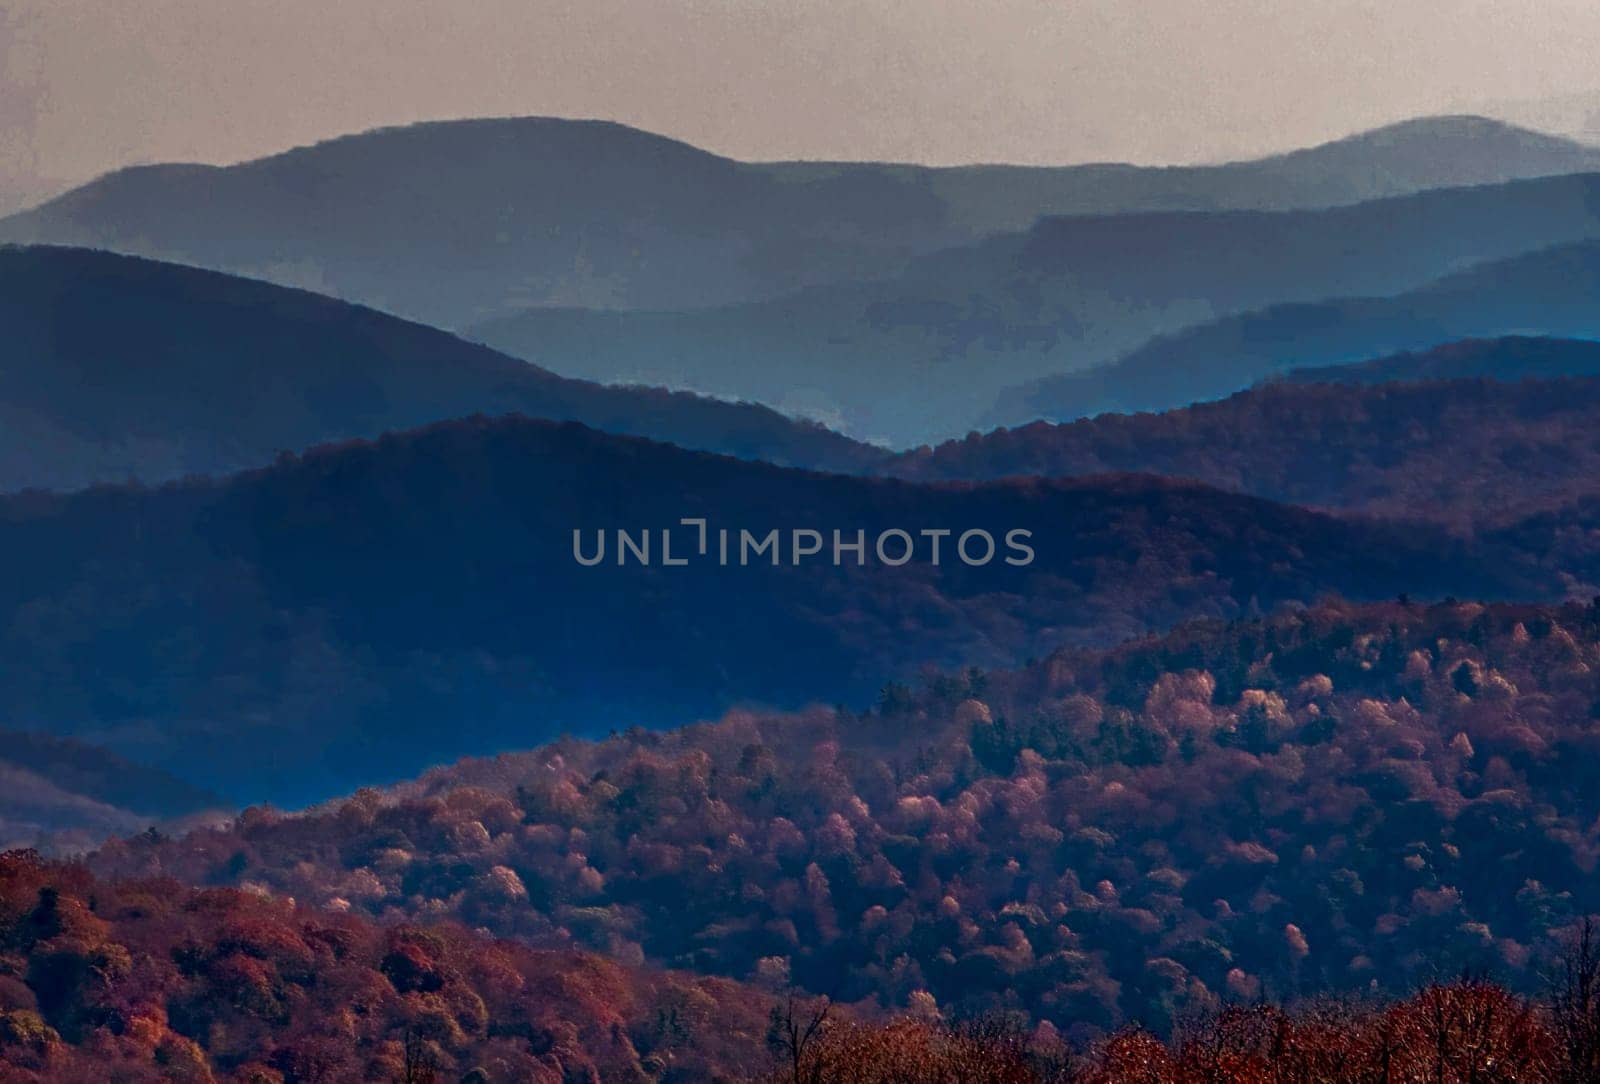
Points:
x=86 y=85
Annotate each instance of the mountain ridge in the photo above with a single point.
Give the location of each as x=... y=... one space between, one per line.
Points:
x=917 y=358
x=122 y=367
x=304 y=625
x=1320 y=800
x=1468 y=450
x=306 y=216
x=1505 y=357
x=1544 y=293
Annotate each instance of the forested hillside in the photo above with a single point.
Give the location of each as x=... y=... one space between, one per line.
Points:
x=1457 y=451
x=153 y=982
x=1346 y=798
x=291 y=633
x=953 y=576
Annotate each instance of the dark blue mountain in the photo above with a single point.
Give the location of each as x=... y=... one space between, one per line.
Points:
x=365 y=611
x=1550 y=293
x=114 y=368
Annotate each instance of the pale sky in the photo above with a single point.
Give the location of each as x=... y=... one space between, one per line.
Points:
x=88 y=85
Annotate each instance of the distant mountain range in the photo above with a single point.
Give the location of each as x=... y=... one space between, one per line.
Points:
x=116 y=368
x=1465 y=450
x=362 y=612
x=57 y=794
x=458 y=222
x=122 y=368
x=921 y=357
x=1547 y=293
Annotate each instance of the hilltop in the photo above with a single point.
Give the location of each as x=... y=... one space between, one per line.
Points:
x=455 y=222
x=293 y=632
x=117 y=368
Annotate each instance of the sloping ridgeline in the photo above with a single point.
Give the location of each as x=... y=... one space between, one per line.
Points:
x=455 y=222
x=365 y=611
x=115 y=368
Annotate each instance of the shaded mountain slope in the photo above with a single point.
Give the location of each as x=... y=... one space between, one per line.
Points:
x=449 y=221
x=453 y=222
x=113 y=367
x=1508 y=357
x=1548 y=293
x=1454 y=451
x=358 y=613
x=920 y=357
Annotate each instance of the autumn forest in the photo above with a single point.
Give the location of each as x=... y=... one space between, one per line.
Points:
x=1262 y=747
